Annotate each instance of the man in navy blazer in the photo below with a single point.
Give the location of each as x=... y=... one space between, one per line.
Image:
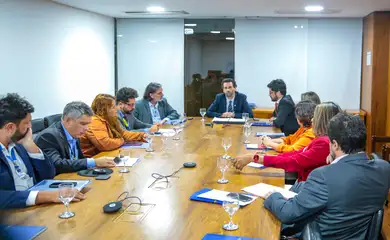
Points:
x=230 y=103
x=342 y=197
x=22 y=163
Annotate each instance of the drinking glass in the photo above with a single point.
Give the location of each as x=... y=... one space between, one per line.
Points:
x=226 y=144
x=247 y=132
x=149 y=138
x=183 y=118
x=177 y=127
x=202 y=112
x=123 y=158
x=66 y=195
x=223 y=165
x=245 y=116
x=166 y=141
x=231 y=206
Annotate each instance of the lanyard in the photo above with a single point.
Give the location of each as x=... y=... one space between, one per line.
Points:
x=74 y=154
x=18 y=169
x=125 y=123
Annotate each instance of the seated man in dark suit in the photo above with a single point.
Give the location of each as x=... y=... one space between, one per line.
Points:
x=342 y=197
x=283 y=116
x=230 y=103
x=125 y=102
x=22 y=163
x=61 y=140
x=153 y=108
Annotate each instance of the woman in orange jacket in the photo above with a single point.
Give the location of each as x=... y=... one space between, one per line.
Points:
x=104 y=132
x=304 y=112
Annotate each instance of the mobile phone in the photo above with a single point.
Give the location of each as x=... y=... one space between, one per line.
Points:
x=242 y=197
x=56 y=184
x=102 y=177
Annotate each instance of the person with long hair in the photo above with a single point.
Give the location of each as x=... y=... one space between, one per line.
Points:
x=307 y=159
x=104 y=132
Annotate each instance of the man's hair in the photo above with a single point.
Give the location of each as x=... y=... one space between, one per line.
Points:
x=76 y=110
x=13 y=109
x=278 y=85
x=304 y=112
x=151 y=88
x=348 y=131
x=124 y=94
x=228 y=80
x=322 y=115
x=311 y=96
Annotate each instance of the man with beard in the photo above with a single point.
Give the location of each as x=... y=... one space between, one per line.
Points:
x=61 y=141
x=22 y=163
x=125 y=102
x=230 y=103
x=283 y=116
x=342 y=197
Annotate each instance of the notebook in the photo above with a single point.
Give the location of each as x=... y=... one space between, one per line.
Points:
x=263 y=189
x=257 y=147
x=271 y=135
x=44 y=184
x=256 y=165
x=135 y=145
x=211 y=236
x=262 y=124
x=20 y=232
x=129 y=161
x=229 y=120
x=217 y=196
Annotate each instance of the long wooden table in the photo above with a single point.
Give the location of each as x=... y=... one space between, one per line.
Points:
x=168 y=213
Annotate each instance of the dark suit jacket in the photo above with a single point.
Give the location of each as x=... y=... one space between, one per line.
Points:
x=53 y=142
x=135 y=125
x=36 y=168
x=142 y=111
x=341 y=197
x=219 y=106
x=285 y=116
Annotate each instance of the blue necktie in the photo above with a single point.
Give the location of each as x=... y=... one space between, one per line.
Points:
x=230 y=107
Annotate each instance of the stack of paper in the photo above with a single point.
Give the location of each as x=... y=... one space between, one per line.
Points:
x=271 y=135
x=129 y=161
x=44 y=185
x=221 y=196
x=263 y=189
x=229 y=120
x=256 y=165
x=256 y=147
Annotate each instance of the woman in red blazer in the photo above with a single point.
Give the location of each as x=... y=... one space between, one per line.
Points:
x=307 y=159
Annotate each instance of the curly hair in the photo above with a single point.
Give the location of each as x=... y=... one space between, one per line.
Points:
x=101 y=106
x=14 y=109
x=304 y=112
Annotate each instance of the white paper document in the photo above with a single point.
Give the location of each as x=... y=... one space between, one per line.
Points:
x=228 y=120
x=263 y=189
x=256 y=165
x=222 y=195
x=129 y=161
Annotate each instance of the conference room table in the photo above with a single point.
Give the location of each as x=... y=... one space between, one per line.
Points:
x=166 y=211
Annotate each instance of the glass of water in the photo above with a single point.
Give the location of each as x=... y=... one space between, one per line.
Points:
x=66 y=194
x=177 y=127
x=202 y=112
x=245 y=116
x=123 y=158
x=231 y=206
x=247 y=132
x=226 y=144
x=149 y=138
x=223 y=165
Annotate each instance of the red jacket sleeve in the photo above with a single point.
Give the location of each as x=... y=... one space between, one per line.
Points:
x=313 y=157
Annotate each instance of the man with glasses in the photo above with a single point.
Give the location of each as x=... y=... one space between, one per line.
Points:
x=283 y=116
x=125 y=102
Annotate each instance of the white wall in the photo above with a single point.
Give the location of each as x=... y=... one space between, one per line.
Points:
x=53 y=54
x=217 y=55
x=152 y=50
x=323 y=56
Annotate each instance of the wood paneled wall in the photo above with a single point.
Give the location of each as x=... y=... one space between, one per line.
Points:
x=375 y=84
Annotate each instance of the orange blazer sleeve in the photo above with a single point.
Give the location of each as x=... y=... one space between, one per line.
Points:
x=301 y=141
x=98 y=135
x=133 y=136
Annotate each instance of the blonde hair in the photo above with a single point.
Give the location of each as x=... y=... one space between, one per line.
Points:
x=322 y=115
x=101 y=106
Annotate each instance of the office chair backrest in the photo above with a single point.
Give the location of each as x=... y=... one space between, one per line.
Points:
x=311 y=232
x=37 y=125
x=49 y=120
x=375 y=227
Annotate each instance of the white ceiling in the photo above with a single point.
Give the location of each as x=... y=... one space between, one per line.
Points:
x=231 y=8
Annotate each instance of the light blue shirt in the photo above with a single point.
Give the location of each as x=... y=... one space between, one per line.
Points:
x=74 y=154
x=155 y=113
x=227 y=104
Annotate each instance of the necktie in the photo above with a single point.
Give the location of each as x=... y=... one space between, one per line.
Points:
x=230 y=107
x=276 y=107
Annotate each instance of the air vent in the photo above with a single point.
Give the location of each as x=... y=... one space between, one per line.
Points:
x=166 y=13
x=303 y=12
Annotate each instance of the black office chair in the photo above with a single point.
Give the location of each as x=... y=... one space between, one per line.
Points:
x=37 y=125
x=311 y=232
x=49 y=120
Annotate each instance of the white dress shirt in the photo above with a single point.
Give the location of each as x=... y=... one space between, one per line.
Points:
x=21 y=183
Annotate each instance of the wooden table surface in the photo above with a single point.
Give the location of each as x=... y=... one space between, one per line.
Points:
x=168 y=213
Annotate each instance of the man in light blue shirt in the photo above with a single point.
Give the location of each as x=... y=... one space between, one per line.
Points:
x=61 y=140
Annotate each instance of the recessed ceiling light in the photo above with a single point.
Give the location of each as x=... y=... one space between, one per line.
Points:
x=230 y=38
x=188 y=31
x=190 y=24
x=314 y=8
x=215 y=32
x=301 y=26
x=119 y=35
x=155 y=9
x=295 y=26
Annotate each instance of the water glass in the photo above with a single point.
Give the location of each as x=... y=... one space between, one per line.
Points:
x=123 y=158
x=223 y=165
x=177 y=126
x=66 y=192
x=247 y=132
x=202 y=112
x=226 y=144
x=245 y=116
x=231 y=206
x=149 y=138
